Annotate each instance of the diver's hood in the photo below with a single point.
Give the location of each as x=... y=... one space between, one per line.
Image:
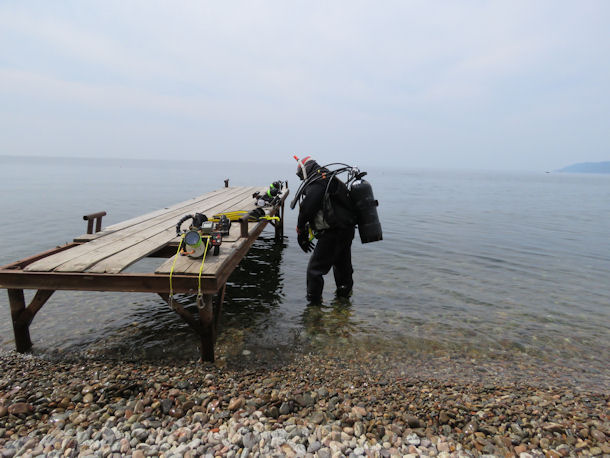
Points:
x=306 y=166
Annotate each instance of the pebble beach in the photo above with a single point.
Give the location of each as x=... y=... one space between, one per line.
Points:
x=311 y=404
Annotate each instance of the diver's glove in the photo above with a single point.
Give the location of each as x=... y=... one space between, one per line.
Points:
x=303 y=238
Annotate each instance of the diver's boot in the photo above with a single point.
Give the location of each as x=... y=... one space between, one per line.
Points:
x=343 y=291
x=314 y=299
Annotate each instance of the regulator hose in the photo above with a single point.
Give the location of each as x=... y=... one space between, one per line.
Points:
x=198 y=220
x=353 y=174
x=182 y=220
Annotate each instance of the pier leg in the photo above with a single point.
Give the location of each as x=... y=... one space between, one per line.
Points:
x=208 y=328
x=279 y=225
x=21 y=328
x=209 y=319
x=185 y=314
x=218 y=308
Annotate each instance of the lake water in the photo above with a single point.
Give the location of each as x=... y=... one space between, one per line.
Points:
x=481 y=264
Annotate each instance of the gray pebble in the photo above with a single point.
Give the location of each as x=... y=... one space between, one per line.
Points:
x=413 y=439
x=285 y=408
x=324 y=453
x=249 y=440
x=314 y=447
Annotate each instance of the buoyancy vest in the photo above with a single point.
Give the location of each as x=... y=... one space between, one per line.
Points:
x=337 y=210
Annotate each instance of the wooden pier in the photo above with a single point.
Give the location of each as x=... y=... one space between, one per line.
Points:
x=96 y=261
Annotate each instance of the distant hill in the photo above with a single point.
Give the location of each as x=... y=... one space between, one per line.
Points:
x=588 y=167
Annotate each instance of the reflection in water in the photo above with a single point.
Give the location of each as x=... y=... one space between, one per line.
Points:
x=152 y=331
x=255 y=288
x=251 y=311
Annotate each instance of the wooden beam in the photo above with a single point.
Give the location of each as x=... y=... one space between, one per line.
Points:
x=124 y=282
x=21 y=330
x=185 y=314
x=40 y=298
x=26 y=261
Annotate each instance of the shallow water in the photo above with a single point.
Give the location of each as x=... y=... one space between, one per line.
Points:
x=488 y=264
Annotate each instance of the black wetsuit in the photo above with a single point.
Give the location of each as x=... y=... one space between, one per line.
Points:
x=334 y=232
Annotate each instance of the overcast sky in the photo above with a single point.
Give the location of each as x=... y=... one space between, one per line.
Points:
x=451 y=84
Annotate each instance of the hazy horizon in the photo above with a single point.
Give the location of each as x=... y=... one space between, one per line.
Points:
x=289 y=163
x=474 y=85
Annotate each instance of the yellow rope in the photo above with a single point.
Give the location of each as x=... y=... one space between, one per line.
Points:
x=207 y=242
x=171 y=272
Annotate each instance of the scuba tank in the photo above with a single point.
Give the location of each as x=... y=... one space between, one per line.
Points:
x=369 y=227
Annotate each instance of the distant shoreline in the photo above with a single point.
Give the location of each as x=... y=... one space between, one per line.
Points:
x=587 y=167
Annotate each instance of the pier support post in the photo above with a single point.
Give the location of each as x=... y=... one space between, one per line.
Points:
x=209 y=319
x=22 y=316
x=208 y=328
x=21 y=329
x=243 y=222
x=279 y=225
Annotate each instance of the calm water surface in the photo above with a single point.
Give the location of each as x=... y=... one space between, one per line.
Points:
x=487 y=264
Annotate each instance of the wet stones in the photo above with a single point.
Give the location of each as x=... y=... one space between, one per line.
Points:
x=318 y=406
x=236 y=403
x=317 y=417
x=598 y=435
x=412 y=421
x=166 y=405
x=20 y=408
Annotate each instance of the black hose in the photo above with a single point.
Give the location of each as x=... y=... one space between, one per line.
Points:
x=182 y=220
x=333 y=173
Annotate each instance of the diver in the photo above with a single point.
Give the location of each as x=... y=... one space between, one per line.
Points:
x=326 y=211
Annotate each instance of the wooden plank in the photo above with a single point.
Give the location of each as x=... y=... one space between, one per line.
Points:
x=161 y=234
x=51 y=262
x=88 y=237
x=37 y=257
x=167 y=219
x=160 y=212
x=119 y=261
x=139 y=219
x=210 y=268
x=107 y=238
x=186 y=265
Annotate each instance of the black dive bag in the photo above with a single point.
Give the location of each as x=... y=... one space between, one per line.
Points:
x=369 y=227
